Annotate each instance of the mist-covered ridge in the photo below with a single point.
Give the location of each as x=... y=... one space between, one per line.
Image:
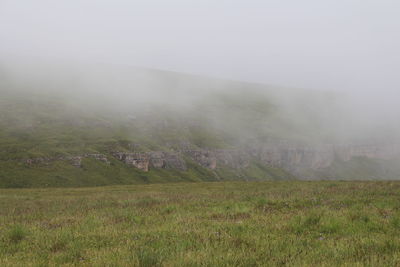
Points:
x=142 y=125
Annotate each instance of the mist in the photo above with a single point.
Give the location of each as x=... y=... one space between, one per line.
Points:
x=113 y=56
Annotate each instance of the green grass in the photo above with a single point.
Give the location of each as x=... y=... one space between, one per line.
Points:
x=203 y=224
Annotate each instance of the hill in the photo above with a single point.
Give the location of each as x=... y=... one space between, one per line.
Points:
x=92 y=125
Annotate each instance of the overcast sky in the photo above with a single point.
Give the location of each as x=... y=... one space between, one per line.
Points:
x=329 y=44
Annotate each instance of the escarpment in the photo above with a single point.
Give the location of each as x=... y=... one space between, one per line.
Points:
x=289 y=157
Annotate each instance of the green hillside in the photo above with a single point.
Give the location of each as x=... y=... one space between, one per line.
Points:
x=107 y=110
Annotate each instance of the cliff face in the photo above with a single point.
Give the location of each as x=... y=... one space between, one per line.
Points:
x=155 y=159
x=166 y=160
x=294 y=158
x=289 y=157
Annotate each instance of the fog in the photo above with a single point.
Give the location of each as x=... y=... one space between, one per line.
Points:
x=92 y=48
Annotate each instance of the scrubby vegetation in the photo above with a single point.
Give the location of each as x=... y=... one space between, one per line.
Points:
x=207 y=224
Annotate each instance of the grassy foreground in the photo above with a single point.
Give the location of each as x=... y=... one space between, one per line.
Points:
x=203 y=224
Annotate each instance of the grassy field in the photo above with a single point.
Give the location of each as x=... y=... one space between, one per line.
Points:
x=203 y=224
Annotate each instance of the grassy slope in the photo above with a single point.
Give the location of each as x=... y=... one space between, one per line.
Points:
x=207 y=224
x=39 y=124
x=44 y=125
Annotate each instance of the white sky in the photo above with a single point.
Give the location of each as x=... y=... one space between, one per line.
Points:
x=324 y=44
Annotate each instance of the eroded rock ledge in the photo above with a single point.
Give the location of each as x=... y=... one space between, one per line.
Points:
x=155 y=159
x=284 y=156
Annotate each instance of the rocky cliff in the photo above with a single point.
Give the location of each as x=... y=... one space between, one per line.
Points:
x=290 y=157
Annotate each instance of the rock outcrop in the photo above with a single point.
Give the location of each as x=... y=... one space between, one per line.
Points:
x=280 y=154
x=236 y=159
x=204 y=158
x=167 y=160
x=290 y=157
x=138 y=160
x=155 y=159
